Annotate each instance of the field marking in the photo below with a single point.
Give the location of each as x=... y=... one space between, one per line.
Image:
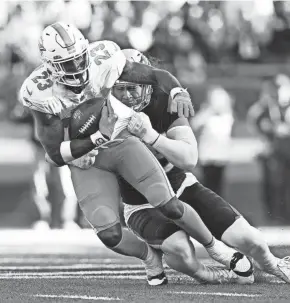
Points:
x=29 y=277
x=71 y=273
x=73 y=266
x=105 y=277
x=220 y=294
x=77 y=297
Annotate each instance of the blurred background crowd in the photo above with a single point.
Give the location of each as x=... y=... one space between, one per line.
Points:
x=231 y=55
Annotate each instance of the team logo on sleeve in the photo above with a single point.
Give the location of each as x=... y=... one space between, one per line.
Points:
x=29 y=92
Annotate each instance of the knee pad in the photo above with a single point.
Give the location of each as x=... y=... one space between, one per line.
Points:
x=173 y=209
x=111 y=236
x=103 y=217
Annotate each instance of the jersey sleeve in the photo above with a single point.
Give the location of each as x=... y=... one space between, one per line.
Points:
x=108 y=64
x=32 y=98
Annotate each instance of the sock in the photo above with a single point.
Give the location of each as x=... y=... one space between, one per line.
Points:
x=131 y=245
x=193 y=225
x=221 y=252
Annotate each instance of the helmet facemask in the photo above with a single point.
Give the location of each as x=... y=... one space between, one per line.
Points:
x=71 y=71
x=138 y=96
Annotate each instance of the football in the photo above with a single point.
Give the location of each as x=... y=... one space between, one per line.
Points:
x=85 y=118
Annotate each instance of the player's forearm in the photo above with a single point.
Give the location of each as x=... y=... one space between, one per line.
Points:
x=181 y=154
x=68 y=151
x=144 y=74
x=165 y=80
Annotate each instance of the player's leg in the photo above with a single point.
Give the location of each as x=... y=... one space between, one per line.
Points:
x=251 y=242
x=227 y=224
x=179 y=252
x=137 y=165
x=69 y=209
x=56 y=196
x=40 y=192
x=99 y=198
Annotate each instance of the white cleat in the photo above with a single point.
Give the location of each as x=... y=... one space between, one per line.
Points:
x=158 y=280
x=283 y=269
x=40 y=225
x=212 y=275
x=232 y=259
x=154 y=268
x=71 y=225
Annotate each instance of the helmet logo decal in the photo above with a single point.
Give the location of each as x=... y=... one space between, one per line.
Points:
x=68 y=43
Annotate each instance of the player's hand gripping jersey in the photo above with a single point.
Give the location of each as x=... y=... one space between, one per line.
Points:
x=41 y=93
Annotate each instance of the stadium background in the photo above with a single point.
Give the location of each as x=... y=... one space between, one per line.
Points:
x=234 y=44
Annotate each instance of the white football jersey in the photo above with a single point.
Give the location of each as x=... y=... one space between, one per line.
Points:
x=42 y=93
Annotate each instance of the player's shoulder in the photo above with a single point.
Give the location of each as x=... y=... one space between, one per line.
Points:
x=36 y=89
x=103 y=45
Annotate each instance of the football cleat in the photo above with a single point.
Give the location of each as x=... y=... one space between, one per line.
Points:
x=232 y=259
x=157 y=280
x=282 y=270
x=213 y=275
x=154 y=268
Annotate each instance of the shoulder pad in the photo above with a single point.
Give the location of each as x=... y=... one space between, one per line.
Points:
x=103 y=49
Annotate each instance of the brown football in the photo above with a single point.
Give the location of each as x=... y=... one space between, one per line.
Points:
x=85 y=118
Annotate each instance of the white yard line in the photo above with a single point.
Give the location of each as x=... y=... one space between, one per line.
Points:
x=219 y=294
x=29 y=277
x=77 y=297
x=71 y=273
x=76 y=267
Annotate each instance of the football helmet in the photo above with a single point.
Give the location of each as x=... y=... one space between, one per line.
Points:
x=65 y=51
x=138 y=101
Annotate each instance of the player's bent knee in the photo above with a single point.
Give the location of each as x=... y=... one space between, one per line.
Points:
x=158 y=193
x=178 y=245
x=173 y=209
x=100 y=217
x=111 y=236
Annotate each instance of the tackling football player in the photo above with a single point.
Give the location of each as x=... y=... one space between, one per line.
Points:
x=175 y=146
x=74 y=72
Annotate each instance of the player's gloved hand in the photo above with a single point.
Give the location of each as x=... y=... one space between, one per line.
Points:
x=179 y=102
x=108 y=120
x=140 y=126
x=107 y=125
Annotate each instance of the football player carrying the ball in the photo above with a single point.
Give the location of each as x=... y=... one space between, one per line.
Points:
x=175 y=147
x=73 y=72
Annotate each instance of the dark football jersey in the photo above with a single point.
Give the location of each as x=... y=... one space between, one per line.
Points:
x=160 y=120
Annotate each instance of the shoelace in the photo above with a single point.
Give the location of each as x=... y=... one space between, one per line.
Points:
x=221 y=275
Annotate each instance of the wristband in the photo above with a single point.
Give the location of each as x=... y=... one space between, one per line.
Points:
x=98 y=139
x=65 y=152
x=176 y=91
